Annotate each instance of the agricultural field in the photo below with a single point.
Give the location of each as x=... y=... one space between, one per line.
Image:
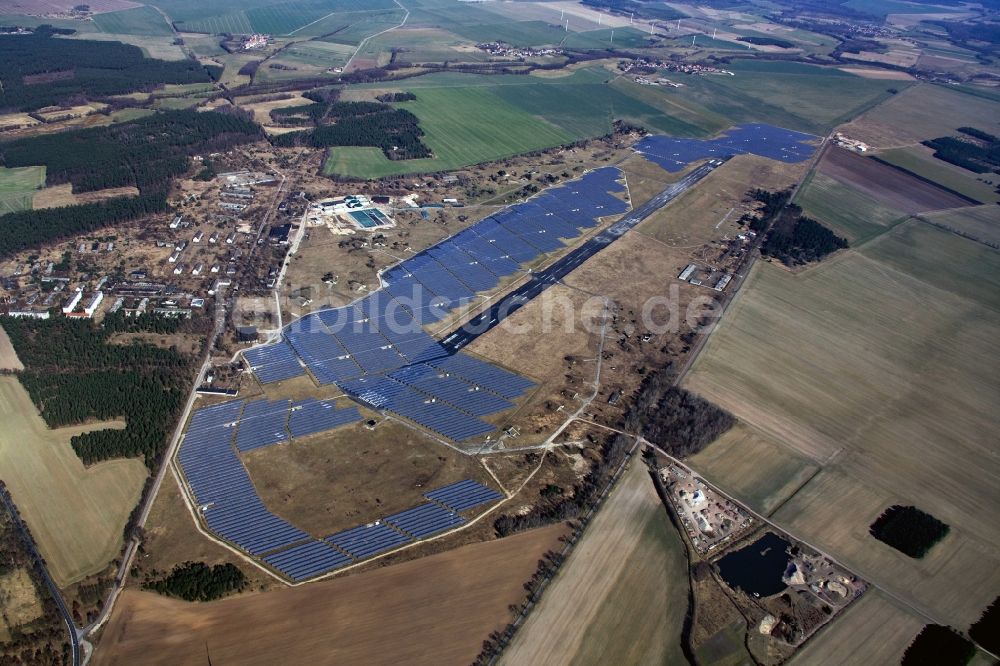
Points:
x=775 y=475
x=266 y=16
x=138 y=21
x=979 y=222
x=436 y=609
x=847 y=211
x=18 y=185
x=923 y=112
x=8 y=355
x=801 y=97
x=920 y=160
x=76 y=514
x=622 y=594
x=885 y=394
x=458 y=133
x=873 y=630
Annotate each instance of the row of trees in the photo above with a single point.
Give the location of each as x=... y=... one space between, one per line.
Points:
x=74 y=374
x=196 y=581
x=38 y=70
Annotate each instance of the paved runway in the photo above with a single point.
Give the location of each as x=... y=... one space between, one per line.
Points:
x=542 y=280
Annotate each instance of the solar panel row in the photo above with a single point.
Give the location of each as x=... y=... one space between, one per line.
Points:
x=462 y=395
x=424 y=520
x=437 y=416
x=463 y=495
x=307 y=560
x=368 y=540
x=312 y=416
x=274 y=363
x=764 y=140
x=263 y=423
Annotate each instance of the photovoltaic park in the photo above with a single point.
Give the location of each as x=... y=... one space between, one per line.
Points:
x=376 y=350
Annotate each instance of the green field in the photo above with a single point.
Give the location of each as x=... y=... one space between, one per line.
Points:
x=266 y=16
x=18 y=186
x=847 y=211
x=458 y=133
x=138 y=21
x=980 y=222
x=920 y=160
x=471 y=118
x=802 y=97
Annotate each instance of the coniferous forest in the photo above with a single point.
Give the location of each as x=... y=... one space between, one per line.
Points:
x=74 y=374
x=146 y=153
x=39 y=70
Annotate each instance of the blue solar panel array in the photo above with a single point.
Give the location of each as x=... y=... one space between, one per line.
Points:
x=312 y=416
x=274 y=363
x=463 y=495
x=221 y=484
x=763 y=140
x=307 y=560
x=356 y=346
x=424 y=520
x=263 y=423
x=368 y=540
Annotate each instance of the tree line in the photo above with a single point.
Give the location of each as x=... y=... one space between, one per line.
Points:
x=38 y=70
x=74 y=374
x=789 y=236
x=196 y=581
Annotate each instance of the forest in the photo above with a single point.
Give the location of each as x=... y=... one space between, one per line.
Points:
x=395 y=131
x=986 y=630
x=145 y=153
x=196 y=581
x=909 y=530
x=39 y=70
x=32 y=228
x=800 y=240
x=982 y=157
x=678 y=421
x=937 y=645
x=74 y=374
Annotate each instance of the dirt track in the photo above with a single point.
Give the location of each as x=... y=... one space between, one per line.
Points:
x=435 y=610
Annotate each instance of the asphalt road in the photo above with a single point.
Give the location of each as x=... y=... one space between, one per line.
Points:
x=543 y=279
x=53 y=590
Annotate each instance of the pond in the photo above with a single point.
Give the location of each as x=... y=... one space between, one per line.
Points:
x=757 y=569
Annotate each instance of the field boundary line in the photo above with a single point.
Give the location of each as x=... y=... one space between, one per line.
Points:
x=364 y=41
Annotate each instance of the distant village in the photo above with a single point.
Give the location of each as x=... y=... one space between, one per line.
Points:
x=508 y=51
x=647 y=64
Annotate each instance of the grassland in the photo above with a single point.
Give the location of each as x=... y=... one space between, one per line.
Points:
x=621 y=596
x=873 y=365
x=76 y=514
x=352 y=476
x=434 y=610
x=849 y=212
x=18 y=185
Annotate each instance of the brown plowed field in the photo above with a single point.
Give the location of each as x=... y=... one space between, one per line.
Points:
x=890 y=186
x=436 y=610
